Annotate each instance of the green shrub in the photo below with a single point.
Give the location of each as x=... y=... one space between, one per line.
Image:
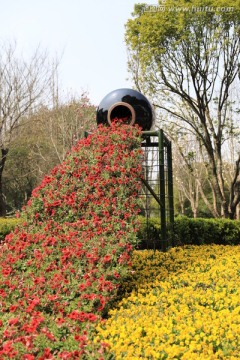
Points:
x=6 y=226
x=206 y=231
x=188 y=231
x=149 y=233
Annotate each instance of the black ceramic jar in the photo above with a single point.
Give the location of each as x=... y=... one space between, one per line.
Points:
x=127 y=105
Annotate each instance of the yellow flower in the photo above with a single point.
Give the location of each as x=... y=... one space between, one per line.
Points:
x=185 y=305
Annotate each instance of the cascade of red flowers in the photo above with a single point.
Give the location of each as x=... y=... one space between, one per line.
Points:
x=61 y=269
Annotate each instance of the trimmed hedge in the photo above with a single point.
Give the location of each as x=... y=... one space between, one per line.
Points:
x=7 y=225
x=188 y=231
x=206 y=231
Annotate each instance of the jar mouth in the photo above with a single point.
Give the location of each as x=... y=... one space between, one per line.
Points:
x=121 y=111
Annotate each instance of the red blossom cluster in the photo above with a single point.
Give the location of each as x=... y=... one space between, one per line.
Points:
x=62 y=268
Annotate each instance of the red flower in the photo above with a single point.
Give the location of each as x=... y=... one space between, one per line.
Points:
x=47 y=355
x=28 y=357
x=107 y=258
x=13 y=321
x=61 y=268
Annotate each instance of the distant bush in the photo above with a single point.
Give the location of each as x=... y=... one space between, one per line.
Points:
x=206 y=231
x=6 y=226
x=188 y=231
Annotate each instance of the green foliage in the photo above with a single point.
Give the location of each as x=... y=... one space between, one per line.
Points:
x=188 y=231
x=206 y=231
x=187 y=34
x=149 y=233
x=158 y=29
x=7 y=225
x=185 y=55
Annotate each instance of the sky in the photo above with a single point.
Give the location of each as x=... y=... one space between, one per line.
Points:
x=86 y=35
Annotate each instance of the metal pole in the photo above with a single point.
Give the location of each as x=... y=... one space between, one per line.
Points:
x=170 y=190
x=152 y=191
x=162 y=189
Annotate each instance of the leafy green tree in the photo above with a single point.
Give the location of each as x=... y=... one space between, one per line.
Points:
x=185 y=55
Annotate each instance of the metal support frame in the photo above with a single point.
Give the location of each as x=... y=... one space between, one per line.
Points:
x=163 y=182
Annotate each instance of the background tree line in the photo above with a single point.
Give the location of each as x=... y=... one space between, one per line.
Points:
x=37 y=127
x=42 y=142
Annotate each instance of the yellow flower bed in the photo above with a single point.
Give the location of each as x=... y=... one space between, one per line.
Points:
x=185 y=305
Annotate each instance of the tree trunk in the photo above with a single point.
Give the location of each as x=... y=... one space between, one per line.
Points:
x=235 y=191
x=2 y=199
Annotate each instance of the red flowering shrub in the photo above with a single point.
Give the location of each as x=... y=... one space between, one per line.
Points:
x=61 y=269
